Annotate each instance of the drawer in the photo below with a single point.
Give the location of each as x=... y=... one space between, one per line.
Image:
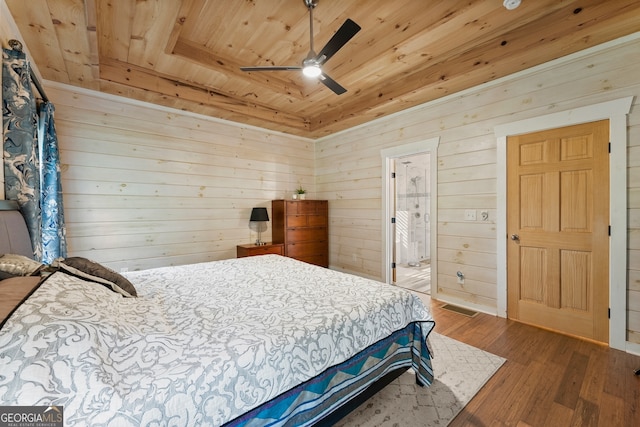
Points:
x=317 y=220
x=304 y=207
x=296 y=221
x=292 y=207
x=264 y=250
x=304 y=249
x=313 y=207
x=320 y=260
x=252 y=250
x=305 y=234
x=306 y=220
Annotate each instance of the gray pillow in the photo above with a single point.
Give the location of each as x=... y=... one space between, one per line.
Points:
x=95 y=272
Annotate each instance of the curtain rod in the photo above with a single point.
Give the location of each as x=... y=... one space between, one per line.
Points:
x=17 y=46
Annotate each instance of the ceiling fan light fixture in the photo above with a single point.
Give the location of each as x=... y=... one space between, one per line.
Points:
x=511 y=4
x=311 y=71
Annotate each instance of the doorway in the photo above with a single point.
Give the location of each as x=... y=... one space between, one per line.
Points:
x=409 y=204
x=413 y=225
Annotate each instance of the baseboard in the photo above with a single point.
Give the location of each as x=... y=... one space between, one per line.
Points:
x=632 y=348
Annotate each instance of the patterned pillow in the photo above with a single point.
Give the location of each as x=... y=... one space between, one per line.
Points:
x=95 y=272
x=19 y=265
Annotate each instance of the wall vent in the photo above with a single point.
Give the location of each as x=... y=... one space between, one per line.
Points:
x=460 y=310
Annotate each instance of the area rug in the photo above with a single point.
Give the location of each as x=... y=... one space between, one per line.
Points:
x=460 y=372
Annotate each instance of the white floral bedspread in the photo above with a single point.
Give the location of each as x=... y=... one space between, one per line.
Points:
x=201 y=344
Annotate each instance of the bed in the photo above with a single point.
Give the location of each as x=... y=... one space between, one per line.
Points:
x=264 y=340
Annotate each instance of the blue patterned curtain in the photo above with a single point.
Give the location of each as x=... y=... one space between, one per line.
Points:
x=22 y=166
x=54 y=243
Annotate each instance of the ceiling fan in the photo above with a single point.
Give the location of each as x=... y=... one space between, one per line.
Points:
x=311 y=65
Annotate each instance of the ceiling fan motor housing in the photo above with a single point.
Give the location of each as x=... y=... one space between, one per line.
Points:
x=310 y=3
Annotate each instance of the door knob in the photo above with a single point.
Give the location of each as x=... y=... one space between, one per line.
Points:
x=515 y=237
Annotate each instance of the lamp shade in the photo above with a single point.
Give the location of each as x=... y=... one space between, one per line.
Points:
x=259 y=214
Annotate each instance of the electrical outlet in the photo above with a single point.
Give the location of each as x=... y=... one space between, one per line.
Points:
x=470 y=215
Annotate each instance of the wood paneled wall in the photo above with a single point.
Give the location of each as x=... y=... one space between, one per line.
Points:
x=146 y=186
x=349 y=167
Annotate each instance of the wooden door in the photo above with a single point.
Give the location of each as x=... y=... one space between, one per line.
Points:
x=558 y=229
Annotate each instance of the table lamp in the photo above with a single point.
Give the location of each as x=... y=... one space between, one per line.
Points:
x=259 y=216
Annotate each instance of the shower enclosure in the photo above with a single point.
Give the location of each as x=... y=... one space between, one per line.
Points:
x=412 y=226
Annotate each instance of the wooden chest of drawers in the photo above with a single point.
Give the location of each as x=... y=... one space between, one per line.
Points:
x=303 y=227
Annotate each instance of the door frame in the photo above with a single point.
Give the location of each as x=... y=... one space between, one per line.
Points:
x=616 y=112
x=389 y=155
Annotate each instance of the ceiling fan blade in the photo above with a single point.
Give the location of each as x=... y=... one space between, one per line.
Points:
x=331 y=84
x=272 y=68
x=339 y=39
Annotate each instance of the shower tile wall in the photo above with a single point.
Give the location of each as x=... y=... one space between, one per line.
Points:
x=412 y=210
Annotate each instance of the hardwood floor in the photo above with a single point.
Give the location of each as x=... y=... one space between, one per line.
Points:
x=548 y=380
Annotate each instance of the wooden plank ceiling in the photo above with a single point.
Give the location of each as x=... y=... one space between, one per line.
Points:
x=187 y=53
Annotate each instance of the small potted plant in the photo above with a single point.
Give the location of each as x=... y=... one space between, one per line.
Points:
x=301 y=192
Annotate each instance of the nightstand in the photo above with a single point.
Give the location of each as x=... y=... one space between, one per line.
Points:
x=252 y=249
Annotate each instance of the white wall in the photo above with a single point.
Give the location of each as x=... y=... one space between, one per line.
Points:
x=348 y=170
x=146 y=186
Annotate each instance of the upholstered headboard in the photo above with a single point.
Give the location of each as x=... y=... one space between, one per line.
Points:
x=14 y=236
